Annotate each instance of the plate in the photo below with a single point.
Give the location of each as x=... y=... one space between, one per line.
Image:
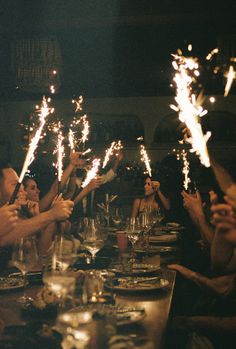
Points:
x=137 y=269
x=163 y=238
x=156 y=250
x=124 y=315
x=138 y=284
x=11 y=283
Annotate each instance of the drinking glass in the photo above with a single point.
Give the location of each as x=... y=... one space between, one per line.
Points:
x=25 y=257
x=93 y=240
x=116 y=218
x=160 y=214
x=133 y=231
x=64 y=252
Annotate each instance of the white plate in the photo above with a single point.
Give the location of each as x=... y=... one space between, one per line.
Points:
x=141 y=286
x=124 y=315
x=163 y=238
x=11 y=283
x=138 y=268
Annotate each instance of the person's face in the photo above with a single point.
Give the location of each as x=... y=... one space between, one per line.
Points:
x=148 y=189
x=32 y=190
x=7 y=185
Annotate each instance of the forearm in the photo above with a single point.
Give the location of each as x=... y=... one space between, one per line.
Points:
x=81 y=195
x=27 y=227
x=212 y=323
x=109 y=176
x=71 y=188
x=165 y=201
x=221 y=252
x=47 y=200
x=205 y=229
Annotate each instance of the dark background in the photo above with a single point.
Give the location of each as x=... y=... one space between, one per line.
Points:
x=118 y=47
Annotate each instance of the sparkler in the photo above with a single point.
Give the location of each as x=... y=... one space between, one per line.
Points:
x=185 y=170
x=212 y=53
x=189 y=109
x=115 y=146
x=145 y=159
x=78 y=103
x=44 y=111
x=230 y=78
x=92 y=172
x=59 y=150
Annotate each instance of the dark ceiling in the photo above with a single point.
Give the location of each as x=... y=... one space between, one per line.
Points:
x=118 y=48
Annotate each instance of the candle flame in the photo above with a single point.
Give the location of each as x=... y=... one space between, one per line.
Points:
x=44 y=111
x=188 y=107
x=230 y=78
x=91 y=174
x=145 y=159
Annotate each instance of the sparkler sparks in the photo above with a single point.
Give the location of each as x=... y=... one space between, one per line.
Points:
x=212 y=53
x=59 y=151
x=185 y=170
x=189 y=109
x=85 y=130
x=115 y=147
x=231 y=75
x=91 y=174
x=78 y=103
x=145 y=159
x=43 y=112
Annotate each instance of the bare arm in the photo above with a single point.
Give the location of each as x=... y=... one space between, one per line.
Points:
x=95 y=183
x=47 y=200
x=164 y=200
x=26 y=227
x=135 y=208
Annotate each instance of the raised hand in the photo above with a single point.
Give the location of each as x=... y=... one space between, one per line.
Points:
x=8 y=218
x=62 y=209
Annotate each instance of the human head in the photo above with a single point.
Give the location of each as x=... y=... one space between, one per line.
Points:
x=8 y=181
x=148 y=188
x=31 y=189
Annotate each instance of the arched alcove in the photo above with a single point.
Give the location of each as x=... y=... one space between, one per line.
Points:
x=168 y=129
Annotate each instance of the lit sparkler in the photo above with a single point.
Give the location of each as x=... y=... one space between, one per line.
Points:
x=185 y=170
x=71 y=138
x=85 y=130
x=115 y=146
x=44 y=111
x=145 y=159
x=189 y=109
x=212 y=53
x=230 y=78
x=59 y=151
x=91 y=174
x=78 y=103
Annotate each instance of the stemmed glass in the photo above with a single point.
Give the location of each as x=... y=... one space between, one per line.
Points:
x=93 y=241
x=116 y=218
x=160 y=215
x=25 y=257
x=64 y=252
x=133 y=231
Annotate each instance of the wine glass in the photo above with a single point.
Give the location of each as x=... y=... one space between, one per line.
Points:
x=160 y=214
x=25 y=257
x=93 y=241
x=133 y=230
x=64 y=252
x=116 y=218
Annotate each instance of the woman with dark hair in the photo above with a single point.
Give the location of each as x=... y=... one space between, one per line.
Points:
x=153 y=198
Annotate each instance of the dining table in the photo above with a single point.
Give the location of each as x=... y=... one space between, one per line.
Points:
x=156 y=305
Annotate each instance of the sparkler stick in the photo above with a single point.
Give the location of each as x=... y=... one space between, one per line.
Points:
x=92 y=172
x=188 y=108
x=230 y=78
x=43 y=113
x=145 y=159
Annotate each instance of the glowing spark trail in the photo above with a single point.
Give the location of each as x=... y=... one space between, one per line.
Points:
x=85 y=130
x=71 y=138
x=108 y=154
x=230 y=78
x=78 y=103
x=212 y=53
x=188 y=108
x=91 y=174
x=145 y=159
x=44 y=111
x=59 y=151
x=185 y=170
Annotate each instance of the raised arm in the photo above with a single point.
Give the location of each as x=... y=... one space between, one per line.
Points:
x=60 y=211
x=47 y=200
x=164 y=200
x=93 y=184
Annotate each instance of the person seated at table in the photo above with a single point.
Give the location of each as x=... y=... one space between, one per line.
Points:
x=60 y=210
x=153 y=198
x=32 y=190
